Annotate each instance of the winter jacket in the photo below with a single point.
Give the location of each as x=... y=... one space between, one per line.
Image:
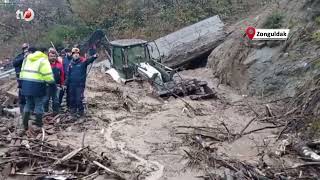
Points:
x=77 y=72
x=17 y=63
x=58 y=72
x=35 y=74
x=66 y=63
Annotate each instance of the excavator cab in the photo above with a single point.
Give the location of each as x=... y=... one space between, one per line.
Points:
x=126 y=54
x=131 y=59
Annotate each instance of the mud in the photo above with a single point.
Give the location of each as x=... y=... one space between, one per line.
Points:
x=138 y=131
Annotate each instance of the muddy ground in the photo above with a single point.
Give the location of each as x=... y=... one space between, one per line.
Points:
x=138 y=132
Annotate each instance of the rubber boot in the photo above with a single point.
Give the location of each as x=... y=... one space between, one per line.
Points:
x=25 y=120
x=55 y=109
x=73 y=111
x=39 y=122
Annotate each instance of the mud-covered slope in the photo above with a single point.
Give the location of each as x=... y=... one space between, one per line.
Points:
x=266 y=68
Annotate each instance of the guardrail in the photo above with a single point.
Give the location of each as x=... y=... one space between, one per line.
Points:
x=6 y=73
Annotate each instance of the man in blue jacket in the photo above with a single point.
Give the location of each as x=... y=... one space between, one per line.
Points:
x=66 y=62
x=76 y=80
x=17 y=63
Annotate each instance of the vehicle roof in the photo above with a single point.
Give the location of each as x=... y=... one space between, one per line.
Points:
x=127 y=42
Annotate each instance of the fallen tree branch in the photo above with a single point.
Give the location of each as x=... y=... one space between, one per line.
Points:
x=199 y=134
x=260 y=129
x=282 y=131
x=248 y=124
x=108 y=170
x=68 y=156
x=305 y=164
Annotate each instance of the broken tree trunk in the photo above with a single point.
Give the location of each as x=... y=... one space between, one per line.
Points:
x=306 y=152
x=189 y=43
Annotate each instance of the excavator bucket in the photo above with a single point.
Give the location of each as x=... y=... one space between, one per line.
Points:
x=193 y=88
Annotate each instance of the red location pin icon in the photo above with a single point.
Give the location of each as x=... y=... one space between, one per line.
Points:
x=27 y=14
x=250 y=31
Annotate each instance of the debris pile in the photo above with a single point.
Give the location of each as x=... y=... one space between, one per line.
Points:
x=220 y=166
x=293 y=141
x=40 y=158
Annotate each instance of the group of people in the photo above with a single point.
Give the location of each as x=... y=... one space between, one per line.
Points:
x=45 y=75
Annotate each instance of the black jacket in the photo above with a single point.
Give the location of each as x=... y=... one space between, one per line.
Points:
x=17 y=64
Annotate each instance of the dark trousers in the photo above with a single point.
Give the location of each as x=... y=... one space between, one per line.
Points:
x=36 y=104
x=53 y=93
x=75 y=97
x=22 y=101
x=64 y=93
x=61 y=97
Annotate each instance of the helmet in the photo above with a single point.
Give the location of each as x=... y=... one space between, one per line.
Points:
x=75 y=50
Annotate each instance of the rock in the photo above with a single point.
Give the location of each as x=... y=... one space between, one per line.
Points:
x=259 y=44
x=285 y=55
x=273 y=43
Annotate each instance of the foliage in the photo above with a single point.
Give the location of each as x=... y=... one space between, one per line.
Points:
x=274 y=21
x=150 y=18
x=63 y=34
x=315 y=128
x=317 y=20
x=316 y=36
x=60 y=20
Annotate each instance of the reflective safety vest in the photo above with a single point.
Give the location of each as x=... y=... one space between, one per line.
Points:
x=35 y=73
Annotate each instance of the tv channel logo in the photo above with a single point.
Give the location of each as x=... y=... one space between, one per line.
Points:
x=27 y=15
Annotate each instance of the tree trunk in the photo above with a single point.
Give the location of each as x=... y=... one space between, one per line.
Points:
x=189 y=43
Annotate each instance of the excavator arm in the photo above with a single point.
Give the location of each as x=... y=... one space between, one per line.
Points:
x=96 y=40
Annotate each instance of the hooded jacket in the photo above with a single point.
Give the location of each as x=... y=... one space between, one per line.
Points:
x=35 y=73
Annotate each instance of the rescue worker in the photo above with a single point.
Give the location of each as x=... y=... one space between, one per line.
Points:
x=17 y=63
x=76 y=81
x=35 y=74
x=53 y=91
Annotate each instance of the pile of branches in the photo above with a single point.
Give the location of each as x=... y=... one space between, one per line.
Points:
x=218 y=166
x=290 y=122
x=42 y=159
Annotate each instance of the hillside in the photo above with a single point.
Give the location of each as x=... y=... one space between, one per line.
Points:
x=68 y=22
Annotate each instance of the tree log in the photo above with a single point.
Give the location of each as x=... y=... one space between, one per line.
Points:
x=189 y=43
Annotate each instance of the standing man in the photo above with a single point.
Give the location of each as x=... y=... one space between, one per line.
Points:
x=61 y=59
x=53 y=91
x=17 y=63
x=35 y=74
x=76 y=81
x=66 y=62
